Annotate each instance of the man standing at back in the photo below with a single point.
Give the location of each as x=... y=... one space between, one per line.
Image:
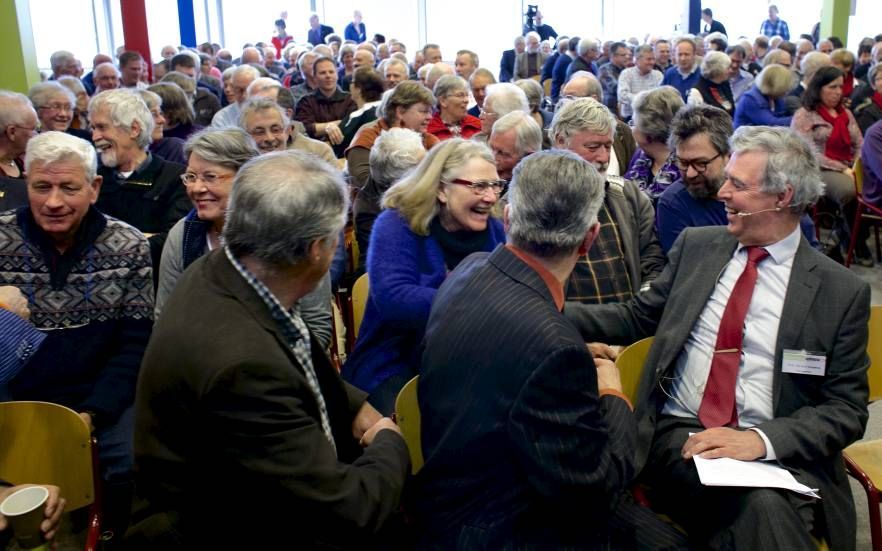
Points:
x=774 y=25
x=527 y=441
x=760 y=353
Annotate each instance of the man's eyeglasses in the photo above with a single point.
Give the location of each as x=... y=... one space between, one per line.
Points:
x=480 y=188
x=698 y=165
x=210 y=179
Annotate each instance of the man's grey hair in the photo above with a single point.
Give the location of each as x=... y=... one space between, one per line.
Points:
x=106 y=65
x=482 y=72
x=642 y=50
x=301 y=61
x=587 y=44
x=449 y=84
x=593 y=88
x=52 y=147
x=396 y=61
x=715 y=65
x=72 y=83
x=125 y=107
x=811 y=63
x=580 y=115
x=394 y=153
x=13 y=107
x=41 y=93
x=59 y=59
x=228 y=147
x=262 y=84
x=654 y=110
x=505 y=98
x=791 y=161
x=553 y=201
x=693 y=120
x=472 y=56
x=533 y=91
x=258 y=105
x=246 y=70
x=281 y=203
x=528 y=134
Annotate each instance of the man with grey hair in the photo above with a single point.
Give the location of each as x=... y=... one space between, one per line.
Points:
x=18 y=123
x=587 y=53
x=272 y=410
x=501 y=99
x=720 y=387
x=65 y=63
x=394 y=72
x=507 y=63
x=627 y=256
x=139 y=188
x=633 y=80
x=585 y=85
x=514 y=136
x=529 y=62
x=89 y=284
x=394 y=153
x=307 y=86
x=437 y=71
x=520 y=458
x=106 y=77
x=242 y=77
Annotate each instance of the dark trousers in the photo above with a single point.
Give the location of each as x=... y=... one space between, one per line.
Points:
x=720 y=517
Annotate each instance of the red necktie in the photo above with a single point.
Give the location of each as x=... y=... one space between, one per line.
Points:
x=718 y=404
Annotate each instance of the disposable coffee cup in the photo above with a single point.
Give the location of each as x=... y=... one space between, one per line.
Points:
x=24 y=510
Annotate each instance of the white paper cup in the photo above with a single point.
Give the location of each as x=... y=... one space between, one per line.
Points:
x=24 y=510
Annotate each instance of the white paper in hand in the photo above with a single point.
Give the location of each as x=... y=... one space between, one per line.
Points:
x=751 y=474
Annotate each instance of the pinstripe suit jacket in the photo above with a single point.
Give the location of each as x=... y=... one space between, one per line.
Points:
x=826 y=309
x=520 y=450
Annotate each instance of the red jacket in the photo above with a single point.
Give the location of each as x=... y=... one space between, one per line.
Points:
x=469 y=126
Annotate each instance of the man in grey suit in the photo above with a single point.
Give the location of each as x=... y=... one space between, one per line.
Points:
x=792 y=388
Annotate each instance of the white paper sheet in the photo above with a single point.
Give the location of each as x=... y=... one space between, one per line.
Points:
x=752 y=474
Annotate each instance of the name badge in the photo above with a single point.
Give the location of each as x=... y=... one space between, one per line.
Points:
x=804 y=362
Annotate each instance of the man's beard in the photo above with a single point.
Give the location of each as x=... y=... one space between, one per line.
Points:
x=702 y=187
x=108 y=156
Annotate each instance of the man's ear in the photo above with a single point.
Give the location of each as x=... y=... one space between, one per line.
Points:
x=590 y=236
x=506 y=222
x=96 y=187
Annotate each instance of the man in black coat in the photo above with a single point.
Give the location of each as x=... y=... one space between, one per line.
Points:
x=240 y=417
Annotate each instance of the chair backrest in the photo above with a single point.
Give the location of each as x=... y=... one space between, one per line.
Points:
x=546 y=87
x=858 y=170
x=874 y=350
x=630 y=364
x=359 y=301
x=407 y=415
x=47 y=443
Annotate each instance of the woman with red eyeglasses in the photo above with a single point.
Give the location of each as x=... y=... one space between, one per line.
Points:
x=435 y=216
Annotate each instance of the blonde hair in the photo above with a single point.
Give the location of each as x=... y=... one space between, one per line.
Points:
x=416 y=195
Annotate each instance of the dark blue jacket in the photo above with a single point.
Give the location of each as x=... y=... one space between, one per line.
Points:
x=753 y=110
x=506 y=65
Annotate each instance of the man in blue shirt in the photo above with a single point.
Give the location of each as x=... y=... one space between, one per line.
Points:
x=684 y=75
x=775 y=26
x=355 y=29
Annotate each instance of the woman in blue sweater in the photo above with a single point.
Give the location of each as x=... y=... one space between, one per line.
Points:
x=435 y=216
x=763 y=103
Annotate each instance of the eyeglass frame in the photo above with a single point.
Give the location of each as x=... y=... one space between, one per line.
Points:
x=695 y=164
x=210 y=182
x=56 y=107
x=480 y=188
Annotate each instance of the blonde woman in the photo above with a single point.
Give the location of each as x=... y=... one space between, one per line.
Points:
x=435 y=216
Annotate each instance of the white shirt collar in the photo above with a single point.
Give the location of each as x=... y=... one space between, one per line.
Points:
x=783 y=250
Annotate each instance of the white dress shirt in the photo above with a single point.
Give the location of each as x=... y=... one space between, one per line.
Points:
x=753 y=387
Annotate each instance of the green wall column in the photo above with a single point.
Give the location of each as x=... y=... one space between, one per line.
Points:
x=20 y=69
x=834 y=19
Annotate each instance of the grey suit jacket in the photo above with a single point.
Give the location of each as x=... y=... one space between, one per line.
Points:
x=520 y=65
x=826 y=309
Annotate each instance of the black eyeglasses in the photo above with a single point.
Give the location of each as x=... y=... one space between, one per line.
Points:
x=480 y=188
x=698 y=165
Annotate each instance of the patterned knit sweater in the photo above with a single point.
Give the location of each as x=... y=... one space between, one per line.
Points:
x=95 y=304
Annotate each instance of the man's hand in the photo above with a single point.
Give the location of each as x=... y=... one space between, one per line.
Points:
x=335 y=135
x=366 y=417
x=12 y=299
x=88 y=419
x=744 y=445
x=54 y=508
x=608 y=375
x=383 y=423
x=602 y=350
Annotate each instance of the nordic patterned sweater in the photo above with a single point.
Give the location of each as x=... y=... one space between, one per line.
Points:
x=95 y=304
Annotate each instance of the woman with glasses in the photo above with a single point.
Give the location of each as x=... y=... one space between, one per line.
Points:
x=435 y=216
x=451 y=119
x=653 y=168
x=55 y=106
x=213 y=158
x=408 y=105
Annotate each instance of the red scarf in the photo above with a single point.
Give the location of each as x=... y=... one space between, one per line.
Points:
x=848 y=85
x=838 y=145
x=877 y=99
